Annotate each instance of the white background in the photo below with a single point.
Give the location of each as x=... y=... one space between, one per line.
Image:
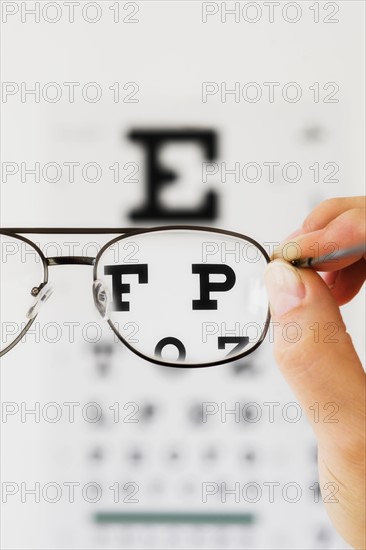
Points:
x=169 y=53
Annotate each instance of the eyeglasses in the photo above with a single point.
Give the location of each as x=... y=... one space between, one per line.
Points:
x=194 y=295
x=182 y=296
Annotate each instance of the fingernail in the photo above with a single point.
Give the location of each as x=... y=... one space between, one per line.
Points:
x=284 y=286
x=287 y=250
x=278 y=250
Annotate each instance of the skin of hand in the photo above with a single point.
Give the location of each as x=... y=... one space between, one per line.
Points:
x=316 y=355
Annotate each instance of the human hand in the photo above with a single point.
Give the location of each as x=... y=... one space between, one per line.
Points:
x=316 y=354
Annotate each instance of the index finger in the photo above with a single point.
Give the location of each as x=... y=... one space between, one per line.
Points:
x=346 y=231
x=328 y=210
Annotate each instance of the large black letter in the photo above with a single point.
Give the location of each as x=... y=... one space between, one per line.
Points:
x=240 y=341
x=157 y=176
x=169 y=340
x=204 y=271
x=118 y=287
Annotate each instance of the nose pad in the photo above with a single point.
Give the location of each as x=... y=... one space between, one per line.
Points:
x=101 y=299
x=42 y=293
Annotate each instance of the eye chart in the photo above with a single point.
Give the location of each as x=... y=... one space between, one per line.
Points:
x=233 y=115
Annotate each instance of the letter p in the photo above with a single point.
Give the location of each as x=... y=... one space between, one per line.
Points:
x=8 y=8
x=8 y=88
x=209 y=8
x=8 y=488
x=208 y=489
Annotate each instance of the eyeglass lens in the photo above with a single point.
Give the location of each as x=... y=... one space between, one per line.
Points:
x=193 y=297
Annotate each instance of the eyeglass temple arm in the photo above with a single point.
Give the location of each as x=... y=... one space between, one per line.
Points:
x=345 y=253
x=71 y=230
x=70 y=260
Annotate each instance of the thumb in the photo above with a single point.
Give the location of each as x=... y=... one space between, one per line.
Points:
x=313 y=349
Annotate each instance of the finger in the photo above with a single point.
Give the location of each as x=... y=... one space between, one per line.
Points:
x=346 y=231
x=325 y=212
x=313 y=349
x=347 y=282
x=328 y=210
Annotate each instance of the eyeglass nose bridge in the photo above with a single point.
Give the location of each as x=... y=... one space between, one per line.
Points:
x=70 y=260
x=43 y=292
x=100 y=293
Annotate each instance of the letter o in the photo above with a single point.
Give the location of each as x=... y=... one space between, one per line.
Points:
x=98 y=415
x=285 y=415
x=98 y=172
x=170 y=340
x=245 y=90
x=245 y=172
x=86 y=16
x=285 y=172
x=45 y=495
x=46 y=336
x=285 y=492
x=297 y=9
x=45 y=15
x=86 y=336
x=245 y=410
x=85 y=92
x=245 y=493
x=291 y=257
x=248 y=326
x=245 y=12
x=247 y=257
x=45 y=172
x=58 y=92
x=98 y=490
x=295 y=336
x=54 y=419
x=286 y=96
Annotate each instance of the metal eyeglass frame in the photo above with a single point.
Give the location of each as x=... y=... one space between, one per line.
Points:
x=123 y=233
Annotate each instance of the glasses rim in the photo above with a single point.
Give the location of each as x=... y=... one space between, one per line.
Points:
x=125 y=233
x=43 y=283
x=193 y=228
